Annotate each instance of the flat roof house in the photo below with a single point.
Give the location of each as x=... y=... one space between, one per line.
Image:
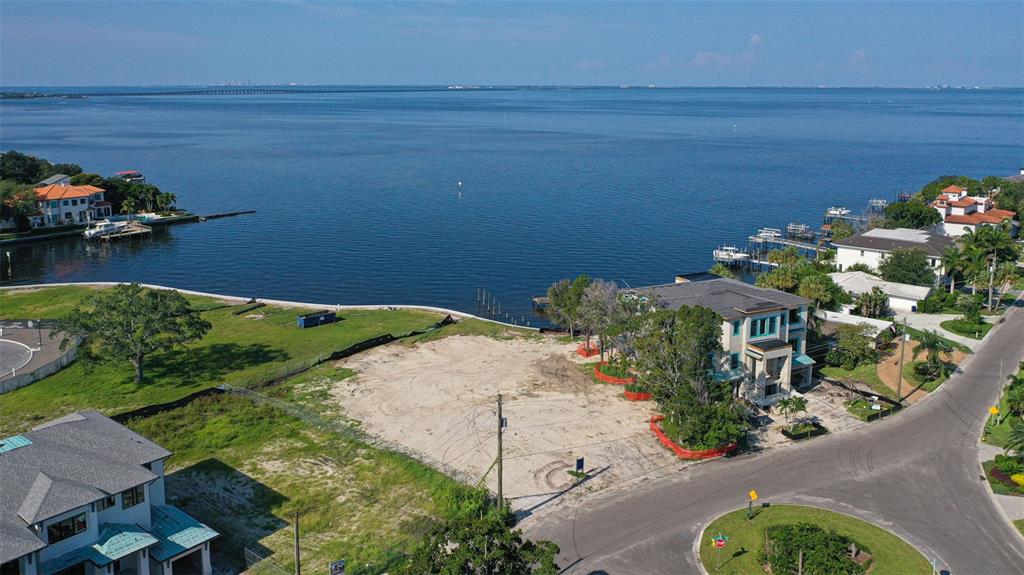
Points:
x=84 y=495
x=872 y=246
x=763 y=333
x=902 y=297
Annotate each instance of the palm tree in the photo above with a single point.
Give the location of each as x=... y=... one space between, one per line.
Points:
x=974 y=265
x=785 y=405
x=1014 y=400
x=933 y=346
x=954 y=261
x=997 y=245
x=797 y=405
x=129 y=206
x=1015 y=441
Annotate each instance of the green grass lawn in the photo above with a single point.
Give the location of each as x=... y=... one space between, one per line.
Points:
x=1019 y=524
x=239 y=350
x=910 y=375
x=475 y=327
x=998 y=433
x=861 y=409
x=245 y=469
x=998 y=487
x=892 y=555
x=864 y=373
x=966 y=329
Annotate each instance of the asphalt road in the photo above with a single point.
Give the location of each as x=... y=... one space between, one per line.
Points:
x=915 y=473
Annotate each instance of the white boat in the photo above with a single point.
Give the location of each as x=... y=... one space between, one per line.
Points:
x=103 y=228
x=730 y=254
x=838 y=211
x=769 y=233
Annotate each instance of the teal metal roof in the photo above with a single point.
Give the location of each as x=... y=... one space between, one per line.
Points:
x=116 y=541
x=13 y=442
x=177 y=532
x=803 y=359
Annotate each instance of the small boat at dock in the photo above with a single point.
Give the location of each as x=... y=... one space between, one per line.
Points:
x=837 y=211
x=730 y=254
x=104 y=228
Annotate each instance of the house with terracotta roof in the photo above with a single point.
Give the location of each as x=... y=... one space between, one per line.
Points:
x=62 y=204
x=962 y=213
x=84 y=495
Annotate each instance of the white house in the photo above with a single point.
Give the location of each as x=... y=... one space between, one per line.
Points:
x=84 y=495
x=763 y=333
x=902 y=297
x=962 y=213
x=62 y=204
x=873 y=246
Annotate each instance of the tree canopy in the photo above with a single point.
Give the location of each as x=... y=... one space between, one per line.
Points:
x=912 y=214
x=481 y=544
x=129 y=322
x=17 y=203
x=564 y=300
x=908 y=266
x=25 y=169
x=932 y=189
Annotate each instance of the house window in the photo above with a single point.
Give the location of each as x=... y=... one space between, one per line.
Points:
x=69 y=527
x=106 y=503
x=734 y=361
x=736 y=327
x=133 y=496
x=54 y=204
x=763 y=326
x=794 y=316
x=66 y=203
x=782 y=320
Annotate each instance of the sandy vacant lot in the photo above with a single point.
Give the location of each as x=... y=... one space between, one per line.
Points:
x=438 y=399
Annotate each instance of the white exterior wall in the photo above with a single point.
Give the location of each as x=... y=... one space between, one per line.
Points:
x=902 y=304
x=846 y=257
x=156 y=495
x=87 y=537
x=956 y=230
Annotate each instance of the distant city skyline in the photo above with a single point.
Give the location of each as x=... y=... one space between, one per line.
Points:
x=726 y=44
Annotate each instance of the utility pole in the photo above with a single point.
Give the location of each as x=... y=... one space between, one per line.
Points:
x=899 y=370
x=501 y=422
x=298 y=563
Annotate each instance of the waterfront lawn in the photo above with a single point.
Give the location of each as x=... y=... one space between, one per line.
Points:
x=245 y=468
x=473 y=326
x=965 y=328
x=891 y=555
x=866 y=373
x=43 y=303
x=243 y=350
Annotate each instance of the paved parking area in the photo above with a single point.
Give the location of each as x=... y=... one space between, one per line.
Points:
x=17 y=352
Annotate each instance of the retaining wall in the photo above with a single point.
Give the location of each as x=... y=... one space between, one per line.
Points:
x=611 y=378
x=35 y=375
x=684 y=453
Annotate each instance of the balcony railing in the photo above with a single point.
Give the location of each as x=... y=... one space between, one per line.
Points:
x=728 y=374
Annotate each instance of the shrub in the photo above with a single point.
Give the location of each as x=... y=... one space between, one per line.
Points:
x=1009 y=464
x=938 y=302
x=824 y=552
x=615 y=370
x=636 y=388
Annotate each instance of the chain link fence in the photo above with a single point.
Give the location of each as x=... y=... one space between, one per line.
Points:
x=256 y=564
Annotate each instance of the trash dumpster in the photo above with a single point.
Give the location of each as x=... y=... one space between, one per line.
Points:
x=316 y=318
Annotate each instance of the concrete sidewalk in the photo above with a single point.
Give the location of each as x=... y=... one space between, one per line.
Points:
x=931 y=321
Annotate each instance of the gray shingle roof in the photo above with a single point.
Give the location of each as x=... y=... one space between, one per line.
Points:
x=70 y=462
x=887 y=240
x=51 y=180
x=732 y=299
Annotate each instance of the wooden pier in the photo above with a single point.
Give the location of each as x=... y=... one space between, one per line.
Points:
x=784 y=242
x=225 y=215
x=132 y=230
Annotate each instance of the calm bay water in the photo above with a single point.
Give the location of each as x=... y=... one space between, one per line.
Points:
x=356 y=198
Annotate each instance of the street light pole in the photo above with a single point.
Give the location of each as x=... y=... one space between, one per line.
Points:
x=899 y=370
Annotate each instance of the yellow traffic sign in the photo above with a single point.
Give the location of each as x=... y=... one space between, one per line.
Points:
x=753 y=495
x=993 y=410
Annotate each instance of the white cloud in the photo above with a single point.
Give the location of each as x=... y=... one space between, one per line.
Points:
x=755 y=39
x=590 y=65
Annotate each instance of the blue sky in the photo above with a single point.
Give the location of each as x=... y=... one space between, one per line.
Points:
x=85 y=43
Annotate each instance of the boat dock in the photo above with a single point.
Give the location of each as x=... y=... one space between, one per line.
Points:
x=132 y=230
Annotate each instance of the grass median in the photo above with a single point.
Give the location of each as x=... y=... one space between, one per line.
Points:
x=890 y=554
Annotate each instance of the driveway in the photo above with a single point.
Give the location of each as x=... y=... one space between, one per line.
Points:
x=916 y=474
x=931 y=321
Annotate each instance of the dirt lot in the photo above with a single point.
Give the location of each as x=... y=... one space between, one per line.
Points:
x=438 y=398
x=888 y=370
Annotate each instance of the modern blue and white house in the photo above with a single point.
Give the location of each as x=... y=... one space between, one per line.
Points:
x=84 y=495
x=764 y=333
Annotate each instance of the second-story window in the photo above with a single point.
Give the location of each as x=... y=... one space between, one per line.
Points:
x=782 y=320
x=133 y=496
x=794 y=316
x=106 y=503
x=69 y=527
x=736 y=327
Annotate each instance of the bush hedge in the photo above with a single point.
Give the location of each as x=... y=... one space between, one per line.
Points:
x=824 y=552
